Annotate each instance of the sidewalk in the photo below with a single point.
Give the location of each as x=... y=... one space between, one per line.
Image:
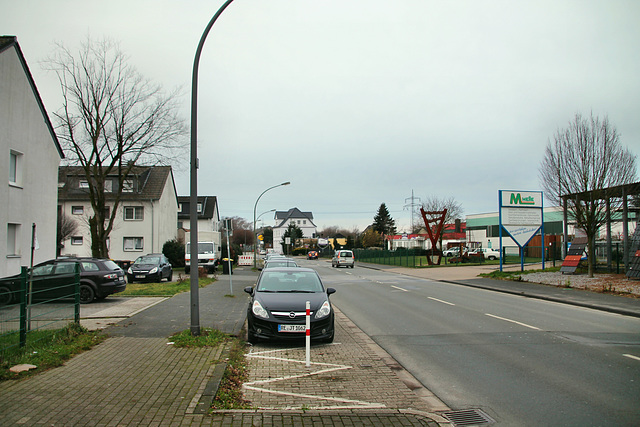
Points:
x=137 y=378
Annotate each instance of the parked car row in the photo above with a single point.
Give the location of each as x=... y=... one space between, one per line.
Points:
x=55 y=279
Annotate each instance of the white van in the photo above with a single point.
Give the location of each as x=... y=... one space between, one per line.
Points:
x=208 y=256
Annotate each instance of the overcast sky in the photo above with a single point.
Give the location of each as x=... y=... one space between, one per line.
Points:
x=360 y=102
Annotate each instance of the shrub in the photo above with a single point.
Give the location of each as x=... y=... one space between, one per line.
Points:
x=174 y=251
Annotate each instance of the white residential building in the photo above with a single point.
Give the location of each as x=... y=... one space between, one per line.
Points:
x=147 y=215
x=29 y=155
x=208 y=219
x=303 y=220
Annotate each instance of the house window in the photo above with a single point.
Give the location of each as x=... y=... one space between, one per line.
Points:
x=108 y=186
x=304 y=221
x=199 y=207
x=179 y=224
x=133 y=244
x=77 y=210
x=127 y=186
x=76 y=240
x=13 y=240
x=83 y=184
x=179 y=207
x=15 y=168
x=107 y=212
x=133 y=213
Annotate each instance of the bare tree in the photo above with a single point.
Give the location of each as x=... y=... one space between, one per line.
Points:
x=437 y=204
x=67 y=227
x=111 y=120
x=587 y=156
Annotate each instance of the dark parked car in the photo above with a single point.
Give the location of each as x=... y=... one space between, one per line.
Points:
x=312 y=255
x=54 y=279
x=277 y=308
x=150 y=268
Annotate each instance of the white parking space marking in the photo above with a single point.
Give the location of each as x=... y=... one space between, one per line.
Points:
x=400 y=289
x=631 y=356
x=513 y=321
x=327 y=367
x=442 y=301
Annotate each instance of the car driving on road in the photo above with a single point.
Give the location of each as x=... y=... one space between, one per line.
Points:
x=277 y=308
x=343 y=258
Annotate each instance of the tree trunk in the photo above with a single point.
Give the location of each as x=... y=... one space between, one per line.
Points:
x=98 y=239
x=591 y=253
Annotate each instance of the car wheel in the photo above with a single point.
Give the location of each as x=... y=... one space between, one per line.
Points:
x=87 y=294
x=186 y=269
x=170 y=278
x=5 y=295
x=491 y=258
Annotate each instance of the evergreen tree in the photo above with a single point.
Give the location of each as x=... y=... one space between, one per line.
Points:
x=383 y=223
x=292 y=231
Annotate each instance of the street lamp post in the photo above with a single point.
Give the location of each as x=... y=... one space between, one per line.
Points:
x=254 y=232
x=254 y=220
x=193 y=197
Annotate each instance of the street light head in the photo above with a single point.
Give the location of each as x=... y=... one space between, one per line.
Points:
x=286 y=183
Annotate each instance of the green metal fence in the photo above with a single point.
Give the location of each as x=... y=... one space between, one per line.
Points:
x=29 y=308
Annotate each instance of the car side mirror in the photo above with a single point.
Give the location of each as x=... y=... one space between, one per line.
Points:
x=331 y=291
x=249 y=290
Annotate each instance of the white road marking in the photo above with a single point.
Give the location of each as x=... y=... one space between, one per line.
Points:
x=631 y=356
x=513 y=321
x=329 y=367
x=439 y=300
x=400 y=289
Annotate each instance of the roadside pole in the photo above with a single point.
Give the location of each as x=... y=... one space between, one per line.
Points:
x=308 y=335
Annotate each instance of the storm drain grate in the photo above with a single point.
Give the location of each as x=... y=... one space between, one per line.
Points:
x=467 y=417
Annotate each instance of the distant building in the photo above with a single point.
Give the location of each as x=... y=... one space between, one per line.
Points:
x=29 y=155
x=208 y=219
x=303 y=220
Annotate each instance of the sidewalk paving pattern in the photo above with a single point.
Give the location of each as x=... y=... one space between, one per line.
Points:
x=137 y=378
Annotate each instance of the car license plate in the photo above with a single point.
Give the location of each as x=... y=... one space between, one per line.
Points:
x=140 y=276
x=292 y=328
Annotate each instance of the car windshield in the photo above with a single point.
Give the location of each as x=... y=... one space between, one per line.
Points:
x=148 y=260
x=278 y=263
x=295 y=281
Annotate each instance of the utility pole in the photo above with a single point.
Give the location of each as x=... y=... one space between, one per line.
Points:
x=412 y=206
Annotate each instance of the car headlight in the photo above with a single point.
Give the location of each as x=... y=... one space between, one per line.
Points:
x=259 y=311
x=130 y=271
x=153 y=270
x=324 y=310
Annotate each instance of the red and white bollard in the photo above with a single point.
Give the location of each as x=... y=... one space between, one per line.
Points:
x=308 y=332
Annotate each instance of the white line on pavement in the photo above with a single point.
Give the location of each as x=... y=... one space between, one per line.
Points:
x=396 y=287
x=439 y=300
x=631 y=356
x=513 y=321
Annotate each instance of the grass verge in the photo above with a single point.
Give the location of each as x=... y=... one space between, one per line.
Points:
x=163 y=288
x=46 y=349
x=515 y=275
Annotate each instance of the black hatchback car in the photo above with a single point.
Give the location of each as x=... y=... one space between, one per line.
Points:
x=150 y=268
x=54 y=279
x=277 y=309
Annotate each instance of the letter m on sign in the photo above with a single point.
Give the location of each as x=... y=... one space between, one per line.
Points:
x=516 y=199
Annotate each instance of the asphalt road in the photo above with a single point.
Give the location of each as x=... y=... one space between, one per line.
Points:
x=522 y=361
